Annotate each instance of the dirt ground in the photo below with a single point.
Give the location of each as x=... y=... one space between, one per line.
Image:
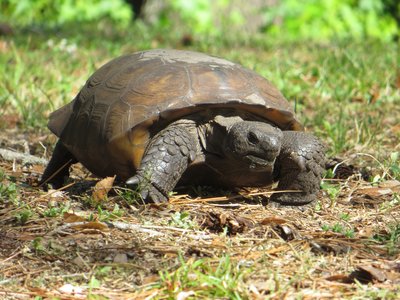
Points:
x=75 y=242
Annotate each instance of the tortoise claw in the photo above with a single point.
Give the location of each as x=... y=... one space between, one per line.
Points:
x=133 y=181
x=148 y=192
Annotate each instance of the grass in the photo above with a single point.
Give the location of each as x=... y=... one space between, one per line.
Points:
x=346 y=92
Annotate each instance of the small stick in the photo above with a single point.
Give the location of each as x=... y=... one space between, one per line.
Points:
x=11 y=155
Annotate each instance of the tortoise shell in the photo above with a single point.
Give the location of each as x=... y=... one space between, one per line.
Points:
x=108 y=124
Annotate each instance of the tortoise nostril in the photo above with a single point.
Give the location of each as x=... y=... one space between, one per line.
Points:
x=253 y=138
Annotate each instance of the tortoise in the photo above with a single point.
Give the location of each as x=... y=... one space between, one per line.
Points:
x=161 y=117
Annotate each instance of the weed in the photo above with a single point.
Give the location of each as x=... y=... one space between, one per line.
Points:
x=93 y=283
x=3 y=175
x=102 y=272
x=130 y=196
x=37 y=245
x=182 y=220
x=390 y=168
x=105 y=215
x=23 y=216
x=339 y=228
x=391 y=238
x=204 y=279
x=345 y=216
x=394 y=165
x=55 y=211
x=9 y=192
x=332 y=190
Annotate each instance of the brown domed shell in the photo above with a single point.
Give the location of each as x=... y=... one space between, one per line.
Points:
x=125 y=96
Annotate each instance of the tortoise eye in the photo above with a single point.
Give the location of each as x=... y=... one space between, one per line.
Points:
x=252 y=138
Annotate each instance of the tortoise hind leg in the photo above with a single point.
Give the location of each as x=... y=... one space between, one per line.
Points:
x=299 y=166
x=58 y=168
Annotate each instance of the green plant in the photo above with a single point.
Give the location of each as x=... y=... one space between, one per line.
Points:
x=313 y=19
x=9 y=192
x=182 y=220
x=339 y=228
x=333 y=190
x=37 y=245
x=22 y=216
x=391 y=238
x=105 y=215
x=206 y=280
x=102 y=272
x=130 y=196
x=394 y=165
x=55 y=211
x=345 y=216
x=26 y=12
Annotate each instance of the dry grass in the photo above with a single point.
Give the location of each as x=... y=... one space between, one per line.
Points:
x=68 y=247
x=225 y=244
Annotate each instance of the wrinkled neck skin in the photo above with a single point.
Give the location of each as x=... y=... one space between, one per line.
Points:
x=213 y=134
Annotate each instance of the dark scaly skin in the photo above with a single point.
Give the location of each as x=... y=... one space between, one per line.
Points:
x=58 y=166
x=167 y=157
x=299 y=166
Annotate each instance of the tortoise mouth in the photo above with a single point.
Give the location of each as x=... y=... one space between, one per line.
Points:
x=259 y=164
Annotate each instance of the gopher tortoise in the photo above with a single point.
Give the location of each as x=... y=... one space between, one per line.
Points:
x=159 y=118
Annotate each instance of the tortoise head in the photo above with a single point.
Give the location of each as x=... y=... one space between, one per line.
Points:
x=255 y=144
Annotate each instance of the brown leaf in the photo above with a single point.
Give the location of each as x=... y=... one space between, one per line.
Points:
x=102 y=188
x=217 y=221
x=72 y=218
x=339 y=278
x=376 y=192
x=92 y=225
x=272 y=221
x=366 y=274
x=394 y=185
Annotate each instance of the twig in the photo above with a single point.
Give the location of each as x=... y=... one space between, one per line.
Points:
x=136 y=227
x=228 y=198
x=11 y=155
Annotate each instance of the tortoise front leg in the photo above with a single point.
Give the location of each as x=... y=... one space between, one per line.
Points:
x=166 y=158
x=58 y=168
x=299 y=166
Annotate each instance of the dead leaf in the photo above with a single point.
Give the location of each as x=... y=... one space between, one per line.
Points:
x=92 y=225
x=272 y=221
x=72 y=218
x=102 y=188
x=217 y=221
x=375 y=191
x=339 y=278
x=394 y=185
x=150 y=279
x=367 y=274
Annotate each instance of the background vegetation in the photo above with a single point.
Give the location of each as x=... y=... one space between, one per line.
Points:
x=292 y=19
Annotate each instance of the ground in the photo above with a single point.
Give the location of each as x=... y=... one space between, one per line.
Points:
x=88 y=241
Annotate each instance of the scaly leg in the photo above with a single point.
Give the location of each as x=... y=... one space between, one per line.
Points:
x=299 y=166
x=166 y=158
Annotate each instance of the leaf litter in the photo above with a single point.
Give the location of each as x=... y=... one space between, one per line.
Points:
x=69 y=247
